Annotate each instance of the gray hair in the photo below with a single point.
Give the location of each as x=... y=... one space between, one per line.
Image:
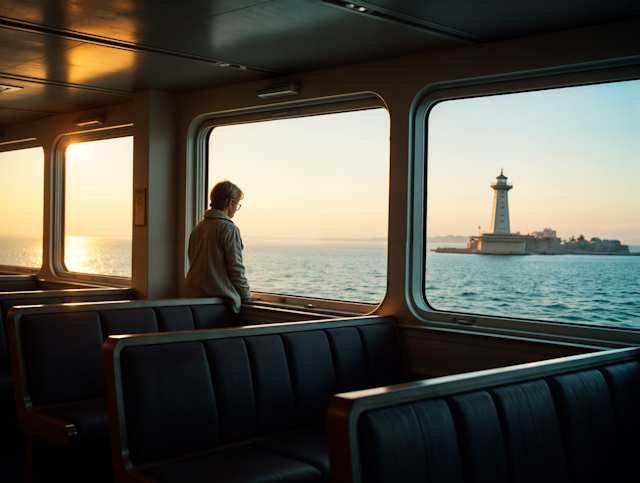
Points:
x=223 y=192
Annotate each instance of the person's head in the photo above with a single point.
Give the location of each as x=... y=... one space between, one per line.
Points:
x=225 y=196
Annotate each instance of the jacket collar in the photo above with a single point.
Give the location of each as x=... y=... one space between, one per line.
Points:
x=214 y=213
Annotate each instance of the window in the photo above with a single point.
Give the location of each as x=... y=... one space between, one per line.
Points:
x=314 y=214
x=21 y=199
x=98 y=196
x=533 y=205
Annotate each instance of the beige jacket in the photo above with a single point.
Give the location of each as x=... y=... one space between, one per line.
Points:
x=215 y=257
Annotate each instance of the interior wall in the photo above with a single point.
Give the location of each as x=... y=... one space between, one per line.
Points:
x=400 y=83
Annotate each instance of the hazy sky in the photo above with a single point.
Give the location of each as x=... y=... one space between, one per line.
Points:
x=316 y=177
x=572 y=154
x=99 y=188
x=21 y=195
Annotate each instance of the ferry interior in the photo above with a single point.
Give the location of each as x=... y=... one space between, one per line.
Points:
x=166 y=75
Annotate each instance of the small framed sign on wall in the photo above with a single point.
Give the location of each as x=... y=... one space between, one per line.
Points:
x=139 y=206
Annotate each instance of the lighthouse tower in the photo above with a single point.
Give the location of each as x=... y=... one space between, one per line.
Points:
x=500 y=215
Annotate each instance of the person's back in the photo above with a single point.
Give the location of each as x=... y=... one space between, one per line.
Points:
x=215 y=252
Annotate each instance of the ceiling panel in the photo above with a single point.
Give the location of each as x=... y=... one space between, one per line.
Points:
x=98 y=67
x=19 y=47
x=119 y=19
x=36 y=101
x=501 y=19
x=9 y=117
x=285 y=37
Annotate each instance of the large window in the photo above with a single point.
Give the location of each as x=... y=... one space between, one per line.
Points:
x=314 y=215
x=533 y=206
x=21 y=199
x=98 y=206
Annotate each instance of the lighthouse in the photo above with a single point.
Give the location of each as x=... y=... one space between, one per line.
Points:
x=500 y=214
x=499 y=240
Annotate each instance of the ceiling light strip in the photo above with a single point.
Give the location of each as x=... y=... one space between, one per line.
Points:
x=13 y=24
x=374 y=11
x=48 y=82
x=30 y=111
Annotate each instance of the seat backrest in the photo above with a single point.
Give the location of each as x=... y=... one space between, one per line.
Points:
x=237 y=387
x=47 y=297
x=61 y=352
x=15 y=283
x=579 y=427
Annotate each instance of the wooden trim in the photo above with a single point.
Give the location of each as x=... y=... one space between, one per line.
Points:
x=17 y=278
x=119 y=342
x=345 y=409
x=112 y=349
x=20 y=311
x=68 y=292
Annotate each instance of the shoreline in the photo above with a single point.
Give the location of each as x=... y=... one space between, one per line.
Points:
x=475 y=251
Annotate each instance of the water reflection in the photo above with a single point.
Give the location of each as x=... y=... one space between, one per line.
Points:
x=100 y=255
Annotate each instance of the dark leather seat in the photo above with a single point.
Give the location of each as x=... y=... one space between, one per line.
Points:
x=185 y=398
x=579 y=427
x=246 y=464
x=91 y=419
x=6 y=380
x=63 y=357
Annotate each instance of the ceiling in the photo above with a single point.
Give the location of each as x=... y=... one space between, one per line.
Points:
x=71 y=55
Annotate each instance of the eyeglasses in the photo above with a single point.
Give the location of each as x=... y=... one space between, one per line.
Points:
x=239 y=205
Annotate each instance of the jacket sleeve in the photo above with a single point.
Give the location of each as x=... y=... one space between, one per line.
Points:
x=235 y=268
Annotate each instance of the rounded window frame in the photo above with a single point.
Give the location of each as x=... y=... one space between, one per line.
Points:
x=196 y=180
x=57 y=203
x=18 y=145
x=428 y=97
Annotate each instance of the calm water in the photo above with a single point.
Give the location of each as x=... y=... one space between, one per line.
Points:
x=601 y=290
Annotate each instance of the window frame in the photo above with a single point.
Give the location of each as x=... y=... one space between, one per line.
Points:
x=197 y=197
x=57 y=203
x=429 y=96
x=19 y=145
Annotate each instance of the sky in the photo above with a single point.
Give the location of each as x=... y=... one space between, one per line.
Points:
x=317 y=177
x=21 y=196
x=572 y=154
x=99 y=188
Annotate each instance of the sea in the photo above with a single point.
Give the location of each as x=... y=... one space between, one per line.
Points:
x=582 y=289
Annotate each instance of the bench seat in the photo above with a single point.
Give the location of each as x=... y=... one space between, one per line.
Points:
x=90 y=419
x=567 y=425
x=297 y=458
x=40 y=297
x=57 y=359
x=242 y=405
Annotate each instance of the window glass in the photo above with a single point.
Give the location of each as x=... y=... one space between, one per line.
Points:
x=533 y=205
x=314 y=213
x=98 y=207
x=21 y=199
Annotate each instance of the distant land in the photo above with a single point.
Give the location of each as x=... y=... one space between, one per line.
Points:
x=448 y=239
x=430 y=239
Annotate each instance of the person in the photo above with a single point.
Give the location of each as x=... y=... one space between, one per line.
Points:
x=215 y=251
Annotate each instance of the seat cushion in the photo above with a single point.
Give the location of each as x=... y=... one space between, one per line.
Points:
x=310 y=447
x=410 y=443
x=588 y=423
x=244 y=464
x=91 y=419
x=6 y=380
